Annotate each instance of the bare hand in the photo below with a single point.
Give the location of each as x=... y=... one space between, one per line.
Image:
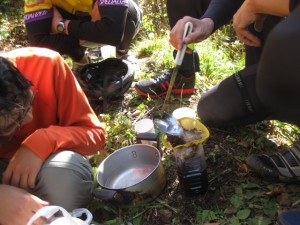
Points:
x=17 y=206
x=22 y=169
x=57 y=17
x=242 y=19
x=202 y=29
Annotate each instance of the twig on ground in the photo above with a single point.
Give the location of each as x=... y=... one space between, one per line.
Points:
x=166 y=205
x=223 y=172
x=227 y=153
x=147 y=113
x=296 y=203
x=141 y=213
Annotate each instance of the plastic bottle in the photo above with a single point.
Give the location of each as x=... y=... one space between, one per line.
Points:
x=191 y=170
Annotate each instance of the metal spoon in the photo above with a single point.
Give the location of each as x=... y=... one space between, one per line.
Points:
x=167 y=124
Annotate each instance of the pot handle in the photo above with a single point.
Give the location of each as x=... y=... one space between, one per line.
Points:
x=110 y=195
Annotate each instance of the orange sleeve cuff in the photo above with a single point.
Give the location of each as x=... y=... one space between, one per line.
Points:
x=39 y=144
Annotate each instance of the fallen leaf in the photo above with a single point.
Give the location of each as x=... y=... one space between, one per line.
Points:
x=230 y=210
x=244 y=144
x=278 y=189
x=244 y=167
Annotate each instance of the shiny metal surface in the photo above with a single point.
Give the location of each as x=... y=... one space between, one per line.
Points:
x=134 y=175
x=167 y=124
x=130 y=176
x=135 y=163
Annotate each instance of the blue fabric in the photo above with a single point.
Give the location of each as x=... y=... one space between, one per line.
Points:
x=289 y=218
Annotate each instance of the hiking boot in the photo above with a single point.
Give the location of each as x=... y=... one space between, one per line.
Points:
x=283 y=167
x=157 y=87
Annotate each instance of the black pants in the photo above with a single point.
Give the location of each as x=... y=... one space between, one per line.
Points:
x=132 y=27
x=176 y=10
x=267 y=90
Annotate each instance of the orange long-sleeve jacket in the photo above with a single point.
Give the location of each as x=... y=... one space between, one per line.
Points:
x=62 y=116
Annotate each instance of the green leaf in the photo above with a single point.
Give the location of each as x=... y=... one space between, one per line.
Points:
x=250 y=186
x=116 y=221
x=239 y=190
x=270 y=208
x=243 y=214
x=259 y=221
x=205 y=216
x=253 y=194
x=237 y=201
x=235 y=221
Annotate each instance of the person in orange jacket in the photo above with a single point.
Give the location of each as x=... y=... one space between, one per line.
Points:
x=46 y=128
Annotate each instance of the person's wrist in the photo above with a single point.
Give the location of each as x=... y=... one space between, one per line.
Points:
x=253 y=5
x=66 y=27
x=209 y=23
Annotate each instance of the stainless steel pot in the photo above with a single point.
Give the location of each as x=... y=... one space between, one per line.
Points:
x=131 y=176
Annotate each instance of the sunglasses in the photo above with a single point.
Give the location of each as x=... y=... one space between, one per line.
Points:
x=11 y=130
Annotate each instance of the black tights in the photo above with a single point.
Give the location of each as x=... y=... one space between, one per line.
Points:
x=176 y=10
x=268 y=90
x=278 y=79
